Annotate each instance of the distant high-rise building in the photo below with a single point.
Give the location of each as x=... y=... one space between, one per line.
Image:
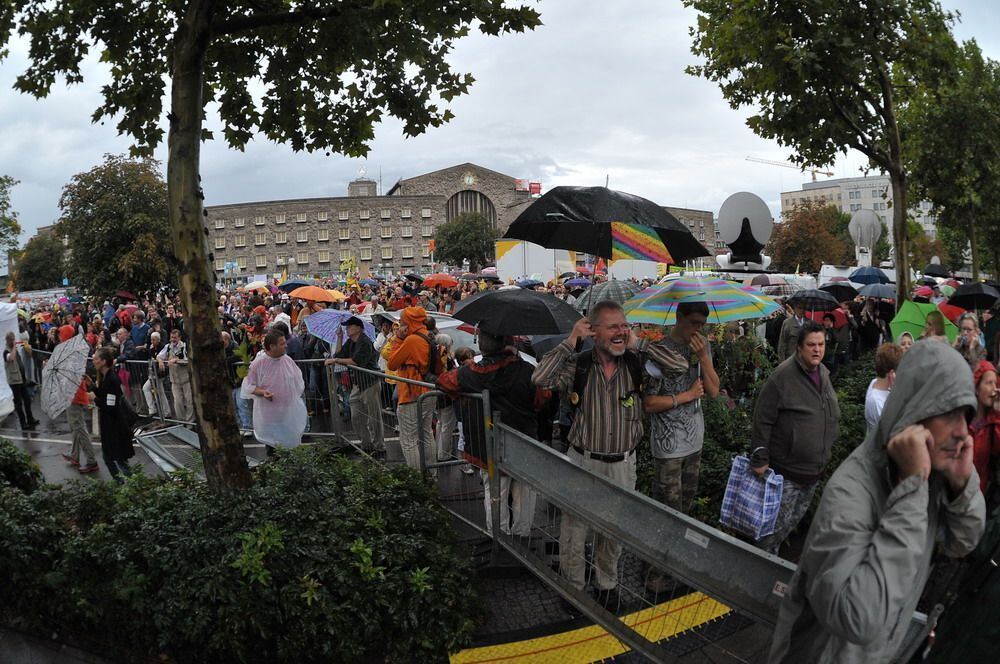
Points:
x=853 y=194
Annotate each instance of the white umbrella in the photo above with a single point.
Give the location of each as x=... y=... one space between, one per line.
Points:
x=62 y=374
x=255 y=285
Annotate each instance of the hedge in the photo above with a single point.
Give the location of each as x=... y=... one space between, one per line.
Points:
x=323 y=560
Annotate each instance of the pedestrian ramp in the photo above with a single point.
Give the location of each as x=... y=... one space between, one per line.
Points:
x=660 y=623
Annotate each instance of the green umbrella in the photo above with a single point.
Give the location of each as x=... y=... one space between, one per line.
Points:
x=912 y=317
x=946 y=290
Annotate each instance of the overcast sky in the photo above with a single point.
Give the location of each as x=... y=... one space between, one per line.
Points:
x=598 y=91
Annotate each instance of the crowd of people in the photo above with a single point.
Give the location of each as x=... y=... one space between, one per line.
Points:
x=933 y=415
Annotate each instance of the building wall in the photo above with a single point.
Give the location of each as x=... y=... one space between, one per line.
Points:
x=852 y=194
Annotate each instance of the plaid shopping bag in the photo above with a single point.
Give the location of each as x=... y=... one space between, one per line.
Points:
x=750 y=505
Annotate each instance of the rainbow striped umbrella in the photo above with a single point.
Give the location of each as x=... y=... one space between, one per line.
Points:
x=726 y=301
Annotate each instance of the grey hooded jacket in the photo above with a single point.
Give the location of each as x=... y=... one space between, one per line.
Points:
x=868 y=551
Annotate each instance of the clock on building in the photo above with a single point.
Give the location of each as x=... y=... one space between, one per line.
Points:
x=469 y=179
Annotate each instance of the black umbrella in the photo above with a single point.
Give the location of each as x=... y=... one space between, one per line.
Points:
x=596 y=220
x=974 y=296
x=292 y=284
x=935 y=270
x=517 y=311
x=813 y=300
x=880 y=291
x=414 y=277
x=567 y=275
x=840 y=290
x=543 y=343
x=927 y=281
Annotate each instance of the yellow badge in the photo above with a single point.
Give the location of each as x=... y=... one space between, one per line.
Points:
x=574 y=398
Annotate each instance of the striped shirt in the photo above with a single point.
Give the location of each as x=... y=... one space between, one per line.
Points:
x=609 y=417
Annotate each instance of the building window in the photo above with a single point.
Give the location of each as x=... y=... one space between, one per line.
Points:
x=239 y=222
x=366 y=253
x=386 y=232
x=240 y=240
x=241 y=261
x=220 y=264
x=258 y=221
x=364 y=214
x=426 y=231
x=220 y=224
x=344 y=215
x=345 y=233
x=322 y=216
x=701 y=235
x=280 y=237
x=324 y=257
x=323 y=235
x=387 y=253
x=261 y=260
x=385 y=213
x=406 y=231
x=408 y=251
x=302 y=258
x=279 y=218
x=300 y=217
x=345 y=255
x=220 y=243
x=365 y=233
x=855 y=207
x=405 y=213
x=302 y=236
x=425 y=213
x=259 y=239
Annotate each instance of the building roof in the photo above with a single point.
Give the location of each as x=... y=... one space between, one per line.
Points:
x=467 y=164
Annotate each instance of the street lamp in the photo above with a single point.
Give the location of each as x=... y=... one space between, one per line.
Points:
x=291 y=267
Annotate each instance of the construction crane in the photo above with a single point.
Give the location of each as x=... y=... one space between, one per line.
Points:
x=814 y=171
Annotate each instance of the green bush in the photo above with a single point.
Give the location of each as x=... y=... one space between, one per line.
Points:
x=322 y=560
x=17 y=469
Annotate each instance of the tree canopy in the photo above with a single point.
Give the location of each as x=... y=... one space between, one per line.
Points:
x=115 y=216
x=317 y=75
x=10 y=228
x=807 y=239
x=469 y=236
x=826 y=76
x=40 y=264
x=954 y=151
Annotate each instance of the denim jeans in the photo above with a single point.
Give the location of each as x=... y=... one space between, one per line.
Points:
x=244 y=410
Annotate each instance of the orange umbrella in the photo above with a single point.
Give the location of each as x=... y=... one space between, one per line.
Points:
x=313 y=294
x=441 y=279
x=337 y=295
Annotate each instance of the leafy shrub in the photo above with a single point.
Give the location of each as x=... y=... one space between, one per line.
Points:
x=322 y=560
x=17 y=469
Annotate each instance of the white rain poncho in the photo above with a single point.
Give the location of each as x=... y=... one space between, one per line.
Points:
x=281 y=420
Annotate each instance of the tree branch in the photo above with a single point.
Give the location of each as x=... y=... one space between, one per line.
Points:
x=864 y=144
x=256 y=21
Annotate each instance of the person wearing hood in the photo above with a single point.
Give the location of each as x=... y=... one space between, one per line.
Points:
x=411 y=359
x=868 y=552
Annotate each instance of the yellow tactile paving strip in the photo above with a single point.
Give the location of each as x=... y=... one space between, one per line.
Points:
x=593 y=643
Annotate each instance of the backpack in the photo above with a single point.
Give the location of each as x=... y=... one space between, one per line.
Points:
x=584 y=361
x=435 y=366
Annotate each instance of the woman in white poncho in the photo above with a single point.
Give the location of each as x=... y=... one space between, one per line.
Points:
x=275 y=384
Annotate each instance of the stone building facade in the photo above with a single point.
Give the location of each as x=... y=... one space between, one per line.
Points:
x=390 y=233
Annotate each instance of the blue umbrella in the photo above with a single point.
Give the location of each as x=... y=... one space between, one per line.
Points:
x=291 y=284
x=529 y=283
x=869 y=275
x=368 y=282
x=579 y=281
x=326 y=324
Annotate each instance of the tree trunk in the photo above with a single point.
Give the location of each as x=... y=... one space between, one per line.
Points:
x=973 y=249
x=221 y=443
x=900 y=239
